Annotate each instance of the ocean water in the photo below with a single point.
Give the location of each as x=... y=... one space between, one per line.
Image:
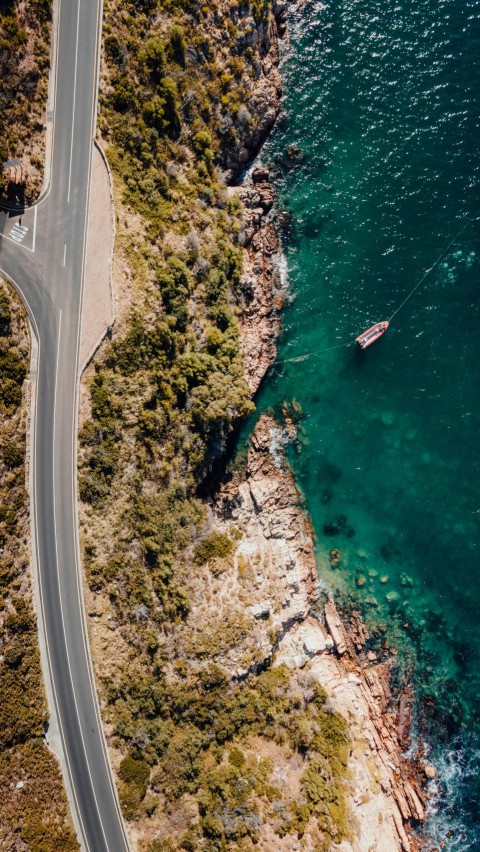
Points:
x=376 y=160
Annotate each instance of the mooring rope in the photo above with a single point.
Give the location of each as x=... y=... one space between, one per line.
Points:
x=430 y=269
x=315 y=352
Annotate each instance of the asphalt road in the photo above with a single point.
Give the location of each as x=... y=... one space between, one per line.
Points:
x=42 y=253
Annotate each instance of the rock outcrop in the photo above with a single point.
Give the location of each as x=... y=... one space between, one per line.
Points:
x=266 y=102
x=276 y=552
x=277 y=535
x=262 y=286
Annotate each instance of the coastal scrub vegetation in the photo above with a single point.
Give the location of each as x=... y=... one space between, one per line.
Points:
x=199 y=741
x=25 y=34
x=34 y=810
x=181 y=96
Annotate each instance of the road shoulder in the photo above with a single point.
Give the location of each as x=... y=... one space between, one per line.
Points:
x=98 y=300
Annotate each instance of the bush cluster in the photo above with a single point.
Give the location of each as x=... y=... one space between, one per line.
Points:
x=23 y=93
x=185 y=737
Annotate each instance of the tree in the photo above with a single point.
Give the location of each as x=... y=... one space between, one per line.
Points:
x=153 y=59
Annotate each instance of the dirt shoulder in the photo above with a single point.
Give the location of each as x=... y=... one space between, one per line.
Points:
x=98 y=310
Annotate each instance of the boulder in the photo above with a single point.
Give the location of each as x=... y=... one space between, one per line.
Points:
x=313 y=639
x=261 y=610
x=260 y=174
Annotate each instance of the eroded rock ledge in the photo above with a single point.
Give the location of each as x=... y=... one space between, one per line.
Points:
x=262 y=286
x=261 y=283
x=276 y=551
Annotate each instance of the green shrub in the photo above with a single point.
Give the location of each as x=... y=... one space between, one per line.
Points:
x=14 y=36
x=130 y=798
x=123 y=97
x=169 y=94
x=173 y=282
x=12 y=656
x=236 y=757
x=134 y=771
x=163 y=845
x=5 y=314
x=179 y=766
x=152 y=58
x=41 y=10
x=13 y=453
x=113 y=49
x=177 y=45
x=214 y=546
x=202 y=142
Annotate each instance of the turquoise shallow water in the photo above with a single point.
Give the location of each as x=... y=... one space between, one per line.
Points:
x=381 y=118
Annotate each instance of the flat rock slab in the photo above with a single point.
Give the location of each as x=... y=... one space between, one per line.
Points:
x=98 y=307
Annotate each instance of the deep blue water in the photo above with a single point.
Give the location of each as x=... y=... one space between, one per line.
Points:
x=377 y=166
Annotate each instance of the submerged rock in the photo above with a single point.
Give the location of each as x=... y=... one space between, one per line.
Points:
x=334 y=558
x=392 y=597
x=337 y=526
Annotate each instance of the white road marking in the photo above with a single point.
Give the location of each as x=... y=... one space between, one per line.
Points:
x=60 y=589
x=34 y=227
x=64 y=253
x=16 y=240
x=78 y=566
x=74 y=98
x=18 y=232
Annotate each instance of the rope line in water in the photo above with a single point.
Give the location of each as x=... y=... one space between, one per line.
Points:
x=315 y=352
x=407 y=297
x=430 y=269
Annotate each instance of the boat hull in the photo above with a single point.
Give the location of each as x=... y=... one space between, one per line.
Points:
x=371 y=334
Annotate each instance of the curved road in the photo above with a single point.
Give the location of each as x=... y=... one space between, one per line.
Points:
x=42 y=253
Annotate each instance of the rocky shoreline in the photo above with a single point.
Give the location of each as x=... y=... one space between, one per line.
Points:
x=386 y=790
x=262 y=287
x=387 y=795
x=261 y=283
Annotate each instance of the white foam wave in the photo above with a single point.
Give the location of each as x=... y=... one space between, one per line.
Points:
x=447 y=823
